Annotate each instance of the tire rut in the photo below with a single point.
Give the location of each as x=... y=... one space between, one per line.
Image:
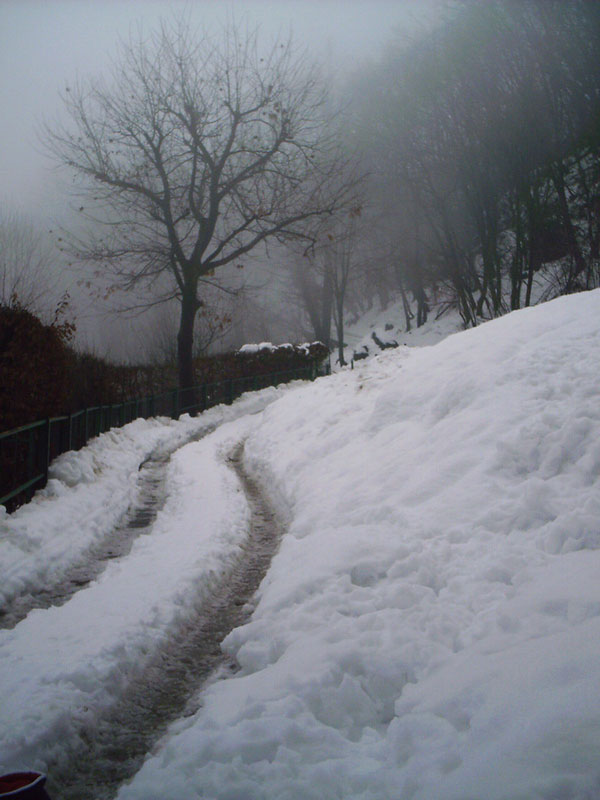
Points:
x=111 y=749
x=137 y=521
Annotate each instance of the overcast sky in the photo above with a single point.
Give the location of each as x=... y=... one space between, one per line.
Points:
x=44 y=44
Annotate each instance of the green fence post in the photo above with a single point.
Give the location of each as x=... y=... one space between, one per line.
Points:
x=175 y=413
x=46 y=456
x=30 y=455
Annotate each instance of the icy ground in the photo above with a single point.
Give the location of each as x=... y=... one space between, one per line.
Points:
x=430 y=627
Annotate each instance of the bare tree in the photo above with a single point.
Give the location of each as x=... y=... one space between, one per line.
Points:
x=486 y=132
x=195 y=153
x=312 y=291
x=341 y=258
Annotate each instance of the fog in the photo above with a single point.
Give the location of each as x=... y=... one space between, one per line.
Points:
x=475 y=126
x=45 y=45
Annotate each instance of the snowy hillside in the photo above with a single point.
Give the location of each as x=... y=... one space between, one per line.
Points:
x=389 y=325
x=430 y=626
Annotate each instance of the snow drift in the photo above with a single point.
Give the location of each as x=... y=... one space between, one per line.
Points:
x=430 y=627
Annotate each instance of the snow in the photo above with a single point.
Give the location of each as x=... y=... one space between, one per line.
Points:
x=256 y=348
x=88 y=643
x=272 y=348
x=61 y=664
x=389 y=325
x=90 y=490
x=430 y=626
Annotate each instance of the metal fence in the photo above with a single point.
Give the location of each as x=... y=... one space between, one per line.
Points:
x=27 y=452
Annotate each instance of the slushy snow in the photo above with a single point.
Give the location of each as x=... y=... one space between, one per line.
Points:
x=430 y=626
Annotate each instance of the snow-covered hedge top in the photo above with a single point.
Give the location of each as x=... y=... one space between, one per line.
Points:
x=250 y=349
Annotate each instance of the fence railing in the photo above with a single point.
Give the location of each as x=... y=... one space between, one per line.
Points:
x=27 y=452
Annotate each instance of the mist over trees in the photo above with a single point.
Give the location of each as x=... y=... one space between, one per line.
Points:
x=212 y=176
x=321 y=276
x=30 y=276
x=483 y=144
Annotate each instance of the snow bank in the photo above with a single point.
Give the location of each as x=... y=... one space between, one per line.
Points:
x=430 y=627
x=272 y=348
x=87 y=492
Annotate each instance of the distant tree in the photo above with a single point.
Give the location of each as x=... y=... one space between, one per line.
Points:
x=312 y=292
x=29 y=274
x=198 y=151
x=341 y=259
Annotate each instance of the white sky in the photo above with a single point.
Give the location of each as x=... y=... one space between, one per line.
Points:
x=44 y=44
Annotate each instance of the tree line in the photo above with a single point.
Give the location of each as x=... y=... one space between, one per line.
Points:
x=484 y=142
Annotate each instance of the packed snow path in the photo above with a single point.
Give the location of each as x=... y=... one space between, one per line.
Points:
x=111 y=749
x=137 y=520
x=65 y=669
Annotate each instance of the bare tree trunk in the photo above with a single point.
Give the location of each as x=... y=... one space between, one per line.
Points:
x=339 y=329
x=408 y=315
x=185 y=338
x=324 y=334
x=532 y=268
x=592 y=207
x=422 y=305
x=516 y=267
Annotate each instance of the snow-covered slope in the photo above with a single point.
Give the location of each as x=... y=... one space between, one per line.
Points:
x=430 y=627
x=389 y=325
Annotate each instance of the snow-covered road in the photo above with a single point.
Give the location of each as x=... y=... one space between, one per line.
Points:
x=111 y=745
x=93 y=493
x=70 y=576
x=429 y=628
x=98 y=678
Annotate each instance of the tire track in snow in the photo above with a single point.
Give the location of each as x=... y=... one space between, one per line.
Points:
x=111 y=748
x=137 y=521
